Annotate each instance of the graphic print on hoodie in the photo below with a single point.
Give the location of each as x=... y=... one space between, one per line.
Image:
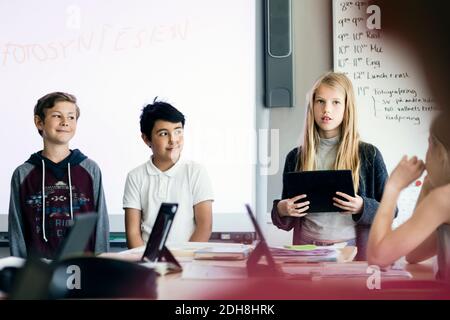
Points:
x=50 y=195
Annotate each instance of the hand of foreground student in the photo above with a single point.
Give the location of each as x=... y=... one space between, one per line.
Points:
x=351 y=205
x=407 y=171
x=288 y=207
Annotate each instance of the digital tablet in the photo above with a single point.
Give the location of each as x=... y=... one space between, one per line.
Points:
x=156 y=249
x=319 y=186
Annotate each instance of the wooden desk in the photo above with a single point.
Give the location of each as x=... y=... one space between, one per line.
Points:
x=422 y=286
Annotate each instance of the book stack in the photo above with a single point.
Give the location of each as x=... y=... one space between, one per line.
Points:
x=223 y=253
x=304 y=256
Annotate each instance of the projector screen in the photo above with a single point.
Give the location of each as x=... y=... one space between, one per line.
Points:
x=117 y=56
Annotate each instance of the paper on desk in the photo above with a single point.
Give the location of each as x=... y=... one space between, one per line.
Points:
x=343 y=270
x=199 y=245
x=124 y=256
x=352 y=270
x=300 y=247
x=282 y=252
x=338 y=245
x=205 y=271
x=301 y=269
x=320 y=254
x=161 y=267
x=189 y=248
x=308 y=247
x=182 y=249
x=140 y=250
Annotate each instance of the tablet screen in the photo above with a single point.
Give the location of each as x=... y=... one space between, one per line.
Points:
x=160 y=232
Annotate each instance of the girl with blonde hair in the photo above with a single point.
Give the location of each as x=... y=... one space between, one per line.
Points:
x=331 y=142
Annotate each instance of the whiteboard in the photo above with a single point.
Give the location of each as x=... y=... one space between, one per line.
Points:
x=116 y=56
x=394 y=103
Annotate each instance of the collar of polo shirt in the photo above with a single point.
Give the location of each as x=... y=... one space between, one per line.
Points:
x=153 y=170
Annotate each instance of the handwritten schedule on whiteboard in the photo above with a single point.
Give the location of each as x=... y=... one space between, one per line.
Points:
x=394 y=104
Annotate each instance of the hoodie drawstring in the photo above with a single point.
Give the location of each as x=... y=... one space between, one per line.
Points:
x=70 y=190
x=43 y=197
x=43 y=201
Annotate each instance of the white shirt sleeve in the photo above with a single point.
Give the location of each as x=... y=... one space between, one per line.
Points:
x=201 y=187
x=131 y=195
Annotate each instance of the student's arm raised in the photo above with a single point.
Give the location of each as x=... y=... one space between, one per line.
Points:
x=385 y=245
x=133 y=227
x=428 y=248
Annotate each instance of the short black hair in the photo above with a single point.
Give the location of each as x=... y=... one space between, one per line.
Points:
x=159 y=110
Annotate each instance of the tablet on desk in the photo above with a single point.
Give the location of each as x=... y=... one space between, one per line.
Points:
x=156 y=249
x=319 y=186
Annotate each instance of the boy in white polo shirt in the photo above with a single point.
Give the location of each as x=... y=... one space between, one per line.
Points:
x=165 y=178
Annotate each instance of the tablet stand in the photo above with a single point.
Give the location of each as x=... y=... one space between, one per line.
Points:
x=257 y=269
x=168 y=257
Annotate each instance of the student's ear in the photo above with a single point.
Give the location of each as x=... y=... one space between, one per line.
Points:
x=38 y=122
x=146 y=140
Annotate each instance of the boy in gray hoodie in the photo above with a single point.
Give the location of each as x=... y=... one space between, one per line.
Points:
x=54 y=185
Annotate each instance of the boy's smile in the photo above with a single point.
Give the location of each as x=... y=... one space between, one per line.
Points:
x=60 y=123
